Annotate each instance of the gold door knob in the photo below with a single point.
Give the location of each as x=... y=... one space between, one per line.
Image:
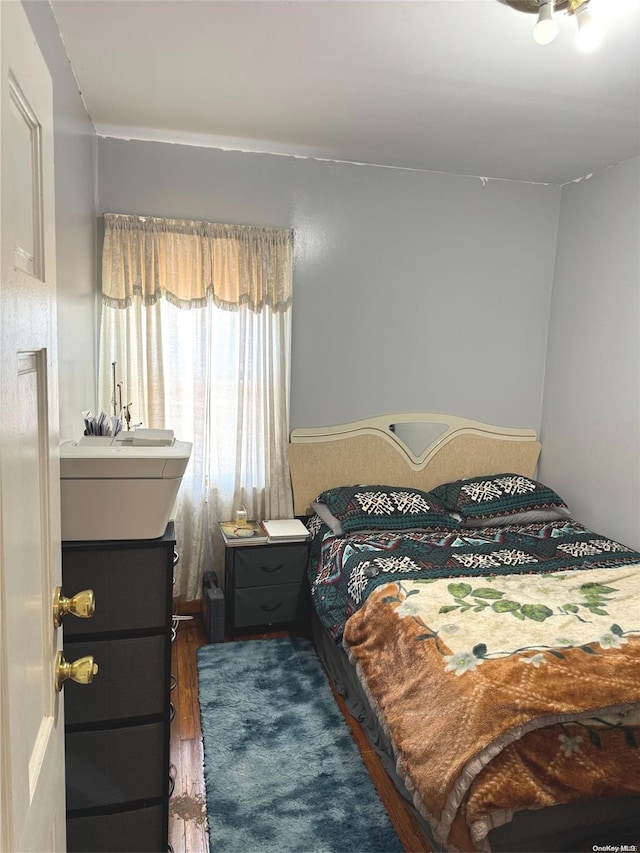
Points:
x=82 y=604
x=81 y=670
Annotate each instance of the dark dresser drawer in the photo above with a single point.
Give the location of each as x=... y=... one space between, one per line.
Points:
x=115 y=766
x=127 y=682
x=136 y=831
x=130 y=592
x=268 y=605
x=270 y=564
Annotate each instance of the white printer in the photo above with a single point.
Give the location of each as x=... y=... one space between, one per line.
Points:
x=120 y=488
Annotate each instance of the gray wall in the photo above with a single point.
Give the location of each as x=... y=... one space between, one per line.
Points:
x=412 y=290
x=591 y=413
x=75 y=151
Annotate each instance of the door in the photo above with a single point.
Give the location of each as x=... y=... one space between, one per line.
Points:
x=32 y=808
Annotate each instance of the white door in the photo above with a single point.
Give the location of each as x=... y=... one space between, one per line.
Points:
x=32 y=803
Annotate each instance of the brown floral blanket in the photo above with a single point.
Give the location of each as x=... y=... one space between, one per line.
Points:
x=505 y=692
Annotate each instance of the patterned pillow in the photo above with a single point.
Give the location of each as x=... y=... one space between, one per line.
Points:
x=501 y=499
x=384 y=508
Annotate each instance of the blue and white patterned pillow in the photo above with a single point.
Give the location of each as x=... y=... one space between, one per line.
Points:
x=501 y=499
x=377 y=507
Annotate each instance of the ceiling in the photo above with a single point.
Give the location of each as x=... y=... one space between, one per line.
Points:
x=453 y=86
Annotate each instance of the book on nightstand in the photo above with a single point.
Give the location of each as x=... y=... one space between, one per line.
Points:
x=249 y=533
x=285 y=530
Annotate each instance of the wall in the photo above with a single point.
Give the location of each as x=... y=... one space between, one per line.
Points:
x=591 y=413
x=412 y=290
x=75 y=151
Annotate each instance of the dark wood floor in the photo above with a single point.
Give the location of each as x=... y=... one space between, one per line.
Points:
x=187 y=806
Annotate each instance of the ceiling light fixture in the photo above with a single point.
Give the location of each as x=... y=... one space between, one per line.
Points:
x=589 y=34
x=546 y=28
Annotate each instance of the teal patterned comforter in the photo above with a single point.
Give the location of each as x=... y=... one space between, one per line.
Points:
x=344 y=571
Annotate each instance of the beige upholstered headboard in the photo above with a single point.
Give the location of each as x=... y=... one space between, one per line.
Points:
x=420 y=450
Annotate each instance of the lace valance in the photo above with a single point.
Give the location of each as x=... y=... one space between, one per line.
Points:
x=189 y=262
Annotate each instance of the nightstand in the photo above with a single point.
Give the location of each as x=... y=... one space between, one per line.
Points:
x=266 y=585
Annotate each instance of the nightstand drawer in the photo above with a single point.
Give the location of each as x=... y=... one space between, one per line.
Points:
x=270 y=565
x=268 y=605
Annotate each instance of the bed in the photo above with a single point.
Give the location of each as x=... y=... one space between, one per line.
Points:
x=487 y=641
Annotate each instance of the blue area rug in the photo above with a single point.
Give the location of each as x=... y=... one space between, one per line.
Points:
x=282 y=771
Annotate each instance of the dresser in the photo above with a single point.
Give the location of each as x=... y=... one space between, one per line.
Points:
x=117 y=726
x=266 y=585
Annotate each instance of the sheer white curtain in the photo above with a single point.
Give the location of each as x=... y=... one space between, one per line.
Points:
x=197 y=317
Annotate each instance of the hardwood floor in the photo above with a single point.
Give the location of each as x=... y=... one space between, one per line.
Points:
x=187 y=806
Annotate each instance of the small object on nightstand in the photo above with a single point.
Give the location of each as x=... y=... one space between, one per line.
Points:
x=285 y=530
x=249 y=533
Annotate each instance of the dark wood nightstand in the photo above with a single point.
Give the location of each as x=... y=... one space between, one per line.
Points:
x=266 y=585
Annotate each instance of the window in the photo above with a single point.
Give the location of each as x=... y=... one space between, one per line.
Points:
x=197 y=318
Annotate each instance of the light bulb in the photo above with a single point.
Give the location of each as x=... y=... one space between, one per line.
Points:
x=590 y=33
x=546 y=29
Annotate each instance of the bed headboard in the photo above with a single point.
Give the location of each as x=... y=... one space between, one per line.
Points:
x=420 y=450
